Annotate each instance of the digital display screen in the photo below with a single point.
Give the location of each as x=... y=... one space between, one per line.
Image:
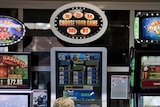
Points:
x=147 y=27
x=151 y=28
x=87 y=105
x=14 y=71
x=77 y=73
x=79 y=68
x=150 y=101
x=150 y=72
x=80 y=95
x=14 y=100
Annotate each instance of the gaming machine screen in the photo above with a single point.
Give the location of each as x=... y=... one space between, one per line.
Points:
x=14 y=71
x=13 y=100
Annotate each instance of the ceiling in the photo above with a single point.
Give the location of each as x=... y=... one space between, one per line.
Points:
x=96 y=0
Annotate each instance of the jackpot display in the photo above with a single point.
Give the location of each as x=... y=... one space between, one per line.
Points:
x=14 y=71
x=79 y=75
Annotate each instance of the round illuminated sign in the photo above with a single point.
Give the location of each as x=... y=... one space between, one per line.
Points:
x=78 y=23
x=11 y=31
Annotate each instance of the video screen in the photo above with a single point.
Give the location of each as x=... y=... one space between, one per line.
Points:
x=150 y=72
x=83 y=68
x=150 y=101
x=14 y=71
x=87 y=105
x=80 y=95
x=146 y=27
x=151 y=28
x=14 y=100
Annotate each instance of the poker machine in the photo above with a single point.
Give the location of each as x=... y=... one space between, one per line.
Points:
x=146 y=59
x=79 y=73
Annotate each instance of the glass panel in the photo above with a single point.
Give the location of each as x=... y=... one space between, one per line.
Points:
x=119 y=103
x=37 y=20
x=42 y=43
x=40 y=58
x=116 y=38
x=41 y=80
x=37 y=15
x=9 y=12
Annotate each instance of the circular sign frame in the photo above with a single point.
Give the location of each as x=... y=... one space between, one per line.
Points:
x=92 y=29
x=12 y=31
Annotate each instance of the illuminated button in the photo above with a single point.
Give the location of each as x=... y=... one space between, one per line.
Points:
x=141 y=40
